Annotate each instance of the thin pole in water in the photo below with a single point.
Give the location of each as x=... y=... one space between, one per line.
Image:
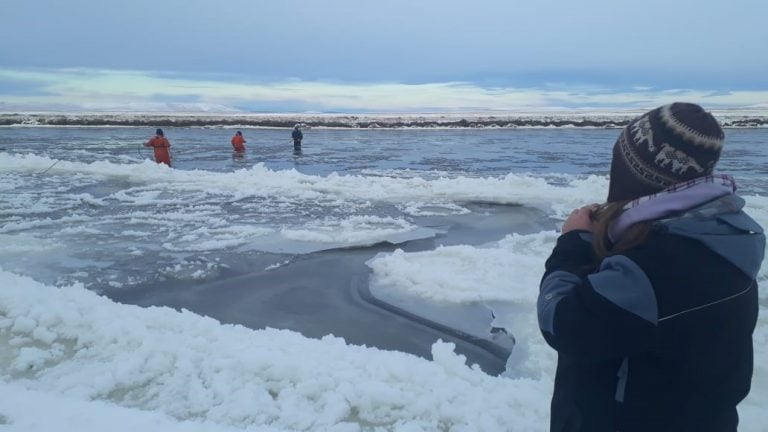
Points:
x=46 y=170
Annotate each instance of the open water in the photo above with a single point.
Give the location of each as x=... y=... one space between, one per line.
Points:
x=87 y=205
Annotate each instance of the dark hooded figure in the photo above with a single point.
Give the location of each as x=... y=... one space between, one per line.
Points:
x=297 y=137
x=650 y=299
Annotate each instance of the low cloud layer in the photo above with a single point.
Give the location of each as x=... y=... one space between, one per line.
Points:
x=109 y=90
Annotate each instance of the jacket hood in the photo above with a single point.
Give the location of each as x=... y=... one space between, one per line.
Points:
x=723 y=227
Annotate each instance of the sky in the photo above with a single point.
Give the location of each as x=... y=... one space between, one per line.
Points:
x=399 y=55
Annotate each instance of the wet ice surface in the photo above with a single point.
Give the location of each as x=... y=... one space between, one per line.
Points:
x=453 y=225
x=324 y=292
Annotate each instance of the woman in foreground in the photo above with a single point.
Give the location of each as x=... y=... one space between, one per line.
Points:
x=651 y=298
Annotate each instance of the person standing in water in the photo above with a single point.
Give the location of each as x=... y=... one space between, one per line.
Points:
x=297 y=137
x=161 y=146
x=650 y=299
x=238 y=142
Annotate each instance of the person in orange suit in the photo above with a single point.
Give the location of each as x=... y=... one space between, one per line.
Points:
x=238 y=142
x=162 y=147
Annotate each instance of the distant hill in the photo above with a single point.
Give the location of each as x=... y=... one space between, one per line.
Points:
x=745 y=118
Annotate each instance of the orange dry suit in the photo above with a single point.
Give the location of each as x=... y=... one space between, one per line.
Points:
x=162 y=149
x=238 y=143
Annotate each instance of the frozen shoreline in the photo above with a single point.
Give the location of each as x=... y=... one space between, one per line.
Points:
x=734 y=118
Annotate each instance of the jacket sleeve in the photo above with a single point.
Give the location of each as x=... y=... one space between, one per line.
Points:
x=595 y=313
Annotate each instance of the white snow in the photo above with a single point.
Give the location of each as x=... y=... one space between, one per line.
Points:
x=71 y=360
x=83 y=352
x=89 y=362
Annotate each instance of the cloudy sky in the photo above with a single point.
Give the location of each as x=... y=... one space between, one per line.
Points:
x=398 y=55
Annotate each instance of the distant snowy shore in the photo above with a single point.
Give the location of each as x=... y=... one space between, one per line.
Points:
x=737 y=118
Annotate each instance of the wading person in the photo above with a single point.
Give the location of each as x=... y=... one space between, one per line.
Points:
x=161 y=146
x=297 y=137
x=650 y=299
x=238 y=142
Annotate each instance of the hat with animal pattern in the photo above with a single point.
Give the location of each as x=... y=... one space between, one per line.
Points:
x=670 y=144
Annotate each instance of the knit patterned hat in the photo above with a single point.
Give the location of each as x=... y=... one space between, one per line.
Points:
x=670 y=144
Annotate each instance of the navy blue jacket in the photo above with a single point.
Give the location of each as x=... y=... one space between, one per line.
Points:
x=659 y=337
x=297 y=135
